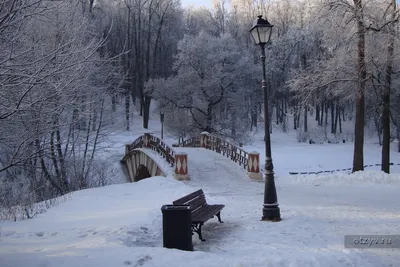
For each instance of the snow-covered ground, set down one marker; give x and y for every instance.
(121, 224)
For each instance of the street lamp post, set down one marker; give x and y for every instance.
(162, 124)
(261, 33)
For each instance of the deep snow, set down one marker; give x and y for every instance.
(121, 224)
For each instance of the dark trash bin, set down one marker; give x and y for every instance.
(177, 227)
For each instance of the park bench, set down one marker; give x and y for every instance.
(200, 210)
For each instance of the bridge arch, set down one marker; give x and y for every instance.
(146, 150)
(139, 165)
(149, 156)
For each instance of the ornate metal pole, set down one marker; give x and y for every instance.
(271, 211)
(162, 125)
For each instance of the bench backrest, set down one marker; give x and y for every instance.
(195, 200)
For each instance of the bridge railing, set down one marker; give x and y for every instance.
(192, 142)
(156, 144)
(138, 143)
(228, 149)
(220, 146)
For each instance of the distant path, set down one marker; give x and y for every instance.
(216, 173)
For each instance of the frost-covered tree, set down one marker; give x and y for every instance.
(145, 33)
(53, 91)
(211, 82)
(352, 67)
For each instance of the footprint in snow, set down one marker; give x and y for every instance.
(40, 234)
(142, 260)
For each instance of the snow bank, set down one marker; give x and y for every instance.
(121, 224)
(108, 206)
(160, 257)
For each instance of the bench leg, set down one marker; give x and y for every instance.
(219, 216)
(197, 228)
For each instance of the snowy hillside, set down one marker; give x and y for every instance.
(121, 224)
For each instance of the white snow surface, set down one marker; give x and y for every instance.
(121, 224)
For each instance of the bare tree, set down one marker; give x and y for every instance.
(52, 111)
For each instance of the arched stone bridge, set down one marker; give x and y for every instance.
(150, 156)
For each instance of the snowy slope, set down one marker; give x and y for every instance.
(120, 225)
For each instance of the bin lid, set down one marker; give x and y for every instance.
(175, 207)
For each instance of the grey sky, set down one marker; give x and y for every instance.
(208, 3)
(197, 3)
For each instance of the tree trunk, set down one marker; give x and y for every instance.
(53, 155)
(96, 139)
(82, 178)
(209, 118)
(298, 118)
(378, 125)
(277, 112)
(114, 102)
(254, 112)
(358, 156)
(45, 171)
(386, 97)
(344, 117)
(94, 123)
(254, 118)
(127, 110)
(282, 110)
(332, 105)
(286, 104)
(305, 119)
(340, 122)
(337, 115)
(398, 138)
(317, 113)
(233, 124)
(326, 113)
(61, 159)
(146, 112)
(322, 114)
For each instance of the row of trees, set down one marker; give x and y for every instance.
(145, 32)
(356, 69)
(54, 91)
(328, 57)
(68, 67)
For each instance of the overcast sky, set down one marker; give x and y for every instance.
(208, 3)
(197, 3)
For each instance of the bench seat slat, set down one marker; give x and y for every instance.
(208, 209)
(183, 200)
(206, 213)
(196, 202)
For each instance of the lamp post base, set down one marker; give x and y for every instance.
(271, 213)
